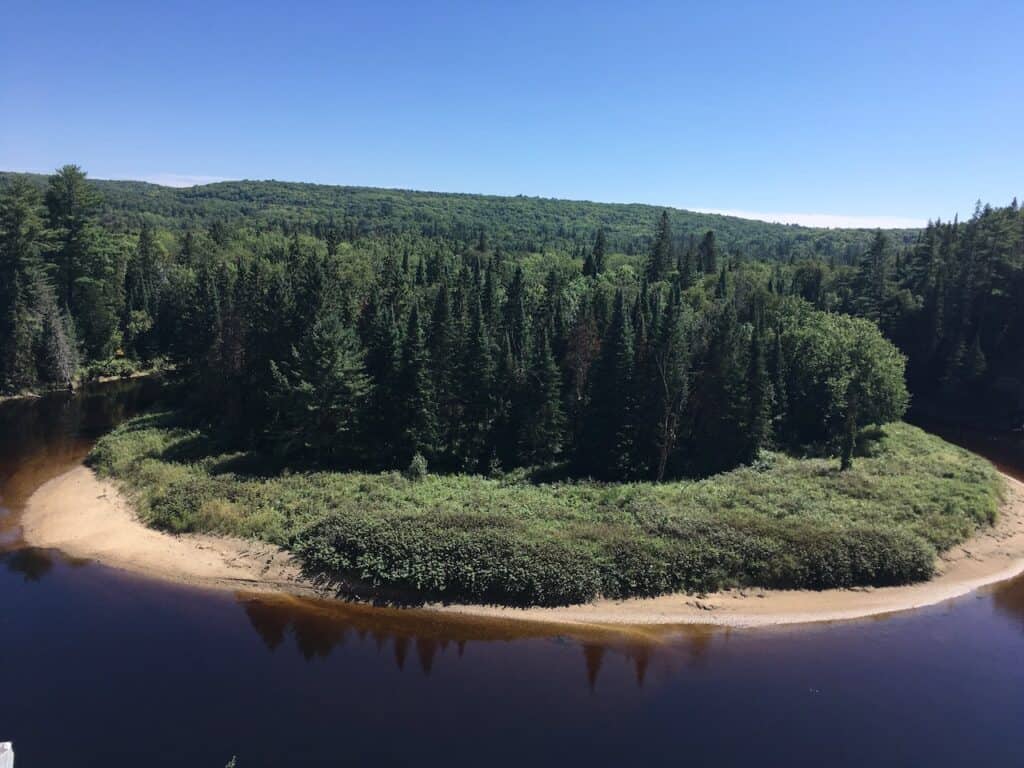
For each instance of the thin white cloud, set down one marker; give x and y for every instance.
(180, 179)
(825, 219)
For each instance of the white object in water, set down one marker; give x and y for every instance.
(6, 754)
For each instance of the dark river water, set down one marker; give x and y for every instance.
(101, 669)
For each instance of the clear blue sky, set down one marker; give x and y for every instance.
(908, 110)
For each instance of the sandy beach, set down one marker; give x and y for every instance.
(86, 517)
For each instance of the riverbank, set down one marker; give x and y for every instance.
(87, 517)
(82, 381)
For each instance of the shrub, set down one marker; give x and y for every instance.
(786, 523)
(417, 468)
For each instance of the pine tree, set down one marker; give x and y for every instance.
(685, 266)
(589, 270)
(141, 289)
(477, 393)
(70, 202)
(778, 374)
(974, 362)
(598, 253)
(515, 318)
(661, 253)
(382, 365)
(88, 265)
(606, 448)
(757, 427)
(543, 429)
(870, 284)
(709, 253)
(671, 378)
(415, 394)
(34, 347)
(722, 287)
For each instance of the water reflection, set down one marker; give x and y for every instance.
(415, 639)
(32, 564)
(40, 438)
(1008, 599)
(288, 681)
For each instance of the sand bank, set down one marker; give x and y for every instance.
(85, 517)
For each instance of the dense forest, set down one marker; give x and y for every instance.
(514, 224)
(376, 329)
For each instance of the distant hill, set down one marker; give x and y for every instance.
(517, 223)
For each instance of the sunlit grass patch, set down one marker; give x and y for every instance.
(789, 523)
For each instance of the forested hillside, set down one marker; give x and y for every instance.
(512, 223)
(432, 333)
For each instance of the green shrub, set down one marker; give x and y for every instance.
(417, 468)
(788, 523)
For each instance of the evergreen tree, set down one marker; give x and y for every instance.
(872, 278)
(415, 394)
(543, 428)
(382, 365)
(477, 393)
(606, 449)
(685, 266)
(71, 202)
(141, 306)
(670, 380)
(20, 265)
(319, 394)
(757, 427)
(88, 267)
(709, 253)
(661, 253)
(515, 318)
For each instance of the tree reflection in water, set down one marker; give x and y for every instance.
(319, 626)
(1009, 600)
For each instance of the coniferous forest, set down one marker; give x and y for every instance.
(368, 345)
(424, 409)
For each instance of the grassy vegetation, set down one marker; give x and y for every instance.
(788, 522)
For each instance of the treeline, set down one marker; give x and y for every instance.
(684, 359)
(61, 283)
(681, 362)
(463, 360)
(953, 302)
(515, 224)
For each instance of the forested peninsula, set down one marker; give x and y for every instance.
(525, 401)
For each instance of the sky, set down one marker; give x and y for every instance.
(868, 113)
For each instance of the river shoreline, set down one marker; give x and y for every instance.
(83, 516)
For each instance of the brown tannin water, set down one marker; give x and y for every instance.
(102, 669)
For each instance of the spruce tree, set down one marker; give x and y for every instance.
(709, 253)
(606, 448)
(515, 318)
(598, 253)
(543, 428)
(382, 364)
(661, 253)
(415, 394)
(477, 393)
(757, 427)
(70, 202)
(670, 362)
(319, 395)
(22, 279)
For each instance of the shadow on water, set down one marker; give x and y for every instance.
(1008, 599)
(415, 638)
(108, 669)
(40, 438)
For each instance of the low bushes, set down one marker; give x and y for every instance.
(790, 523)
